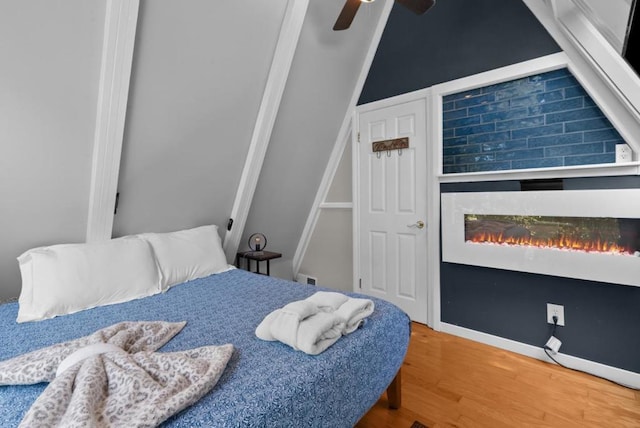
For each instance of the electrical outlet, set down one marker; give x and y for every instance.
(306, 279)
(558, 311)
(623, 153)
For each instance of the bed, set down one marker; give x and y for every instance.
(265, 384)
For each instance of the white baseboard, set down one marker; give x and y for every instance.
(615, 374)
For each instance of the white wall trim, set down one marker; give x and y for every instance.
(596, 49)
(599, 170)
(434, 135)
(503, 74)
(622, 376)
(121, 19)
(355, 212)
(601, 70)
(344, 135)
(274, 89)
(608, 32)
(336, 205)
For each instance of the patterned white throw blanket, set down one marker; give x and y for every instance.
(127, 386)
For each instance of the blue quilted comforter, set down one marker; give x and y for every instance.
(265, 384)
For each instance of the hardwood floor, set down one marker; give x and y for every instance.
(448, 381)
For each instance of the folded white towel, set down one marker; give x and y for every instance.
(317, 333)
(302, 326)
(263, 331)
(300, 309)
(314, 324)
(284, 322)
(327, 301)
(353, 312)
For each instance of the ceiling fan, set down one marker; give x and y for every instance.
(351, 7)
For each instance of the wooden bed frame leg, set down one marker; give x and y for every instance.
(394, 393)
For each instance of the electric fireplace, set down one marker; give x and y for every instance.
(585, 234)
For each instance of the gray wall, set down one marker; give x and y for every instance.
(324, 72)
(329, 255)
(50, 63)
(199, 72)
(341, 185)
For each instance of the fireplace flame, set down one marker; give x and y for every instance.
(562, 242)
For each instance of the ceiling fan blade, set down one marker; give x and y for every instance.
(417, 6)
(346, 16)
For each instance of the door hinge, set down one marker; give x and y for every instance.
(360, 283)
(230, 224)
(358, 136)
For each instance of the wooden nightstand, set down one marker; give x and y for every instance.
(258, 256)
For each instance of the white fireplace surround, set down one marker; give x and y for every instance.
(610, 268)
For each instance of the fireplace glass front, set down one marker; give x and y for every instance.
(588, 234)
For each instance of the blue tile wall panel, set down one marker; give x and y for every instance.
(541, 121)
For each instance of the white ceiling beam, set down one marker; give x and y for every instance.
(121, 19)
(274, 88)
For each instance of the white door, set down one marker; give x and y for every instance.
(392, 207)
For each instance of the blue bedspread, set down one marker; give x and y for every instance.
(266, 384)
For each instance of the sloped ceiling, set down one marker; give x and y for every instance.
(198, 77)
(199, 72)
(321, 83)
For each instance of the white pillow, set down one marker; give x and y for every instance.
(68, 278)
(187, 254)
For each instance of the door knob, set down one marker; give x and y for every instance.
(419, 224)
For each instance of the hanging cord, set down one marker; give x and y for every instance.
(546, 351)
